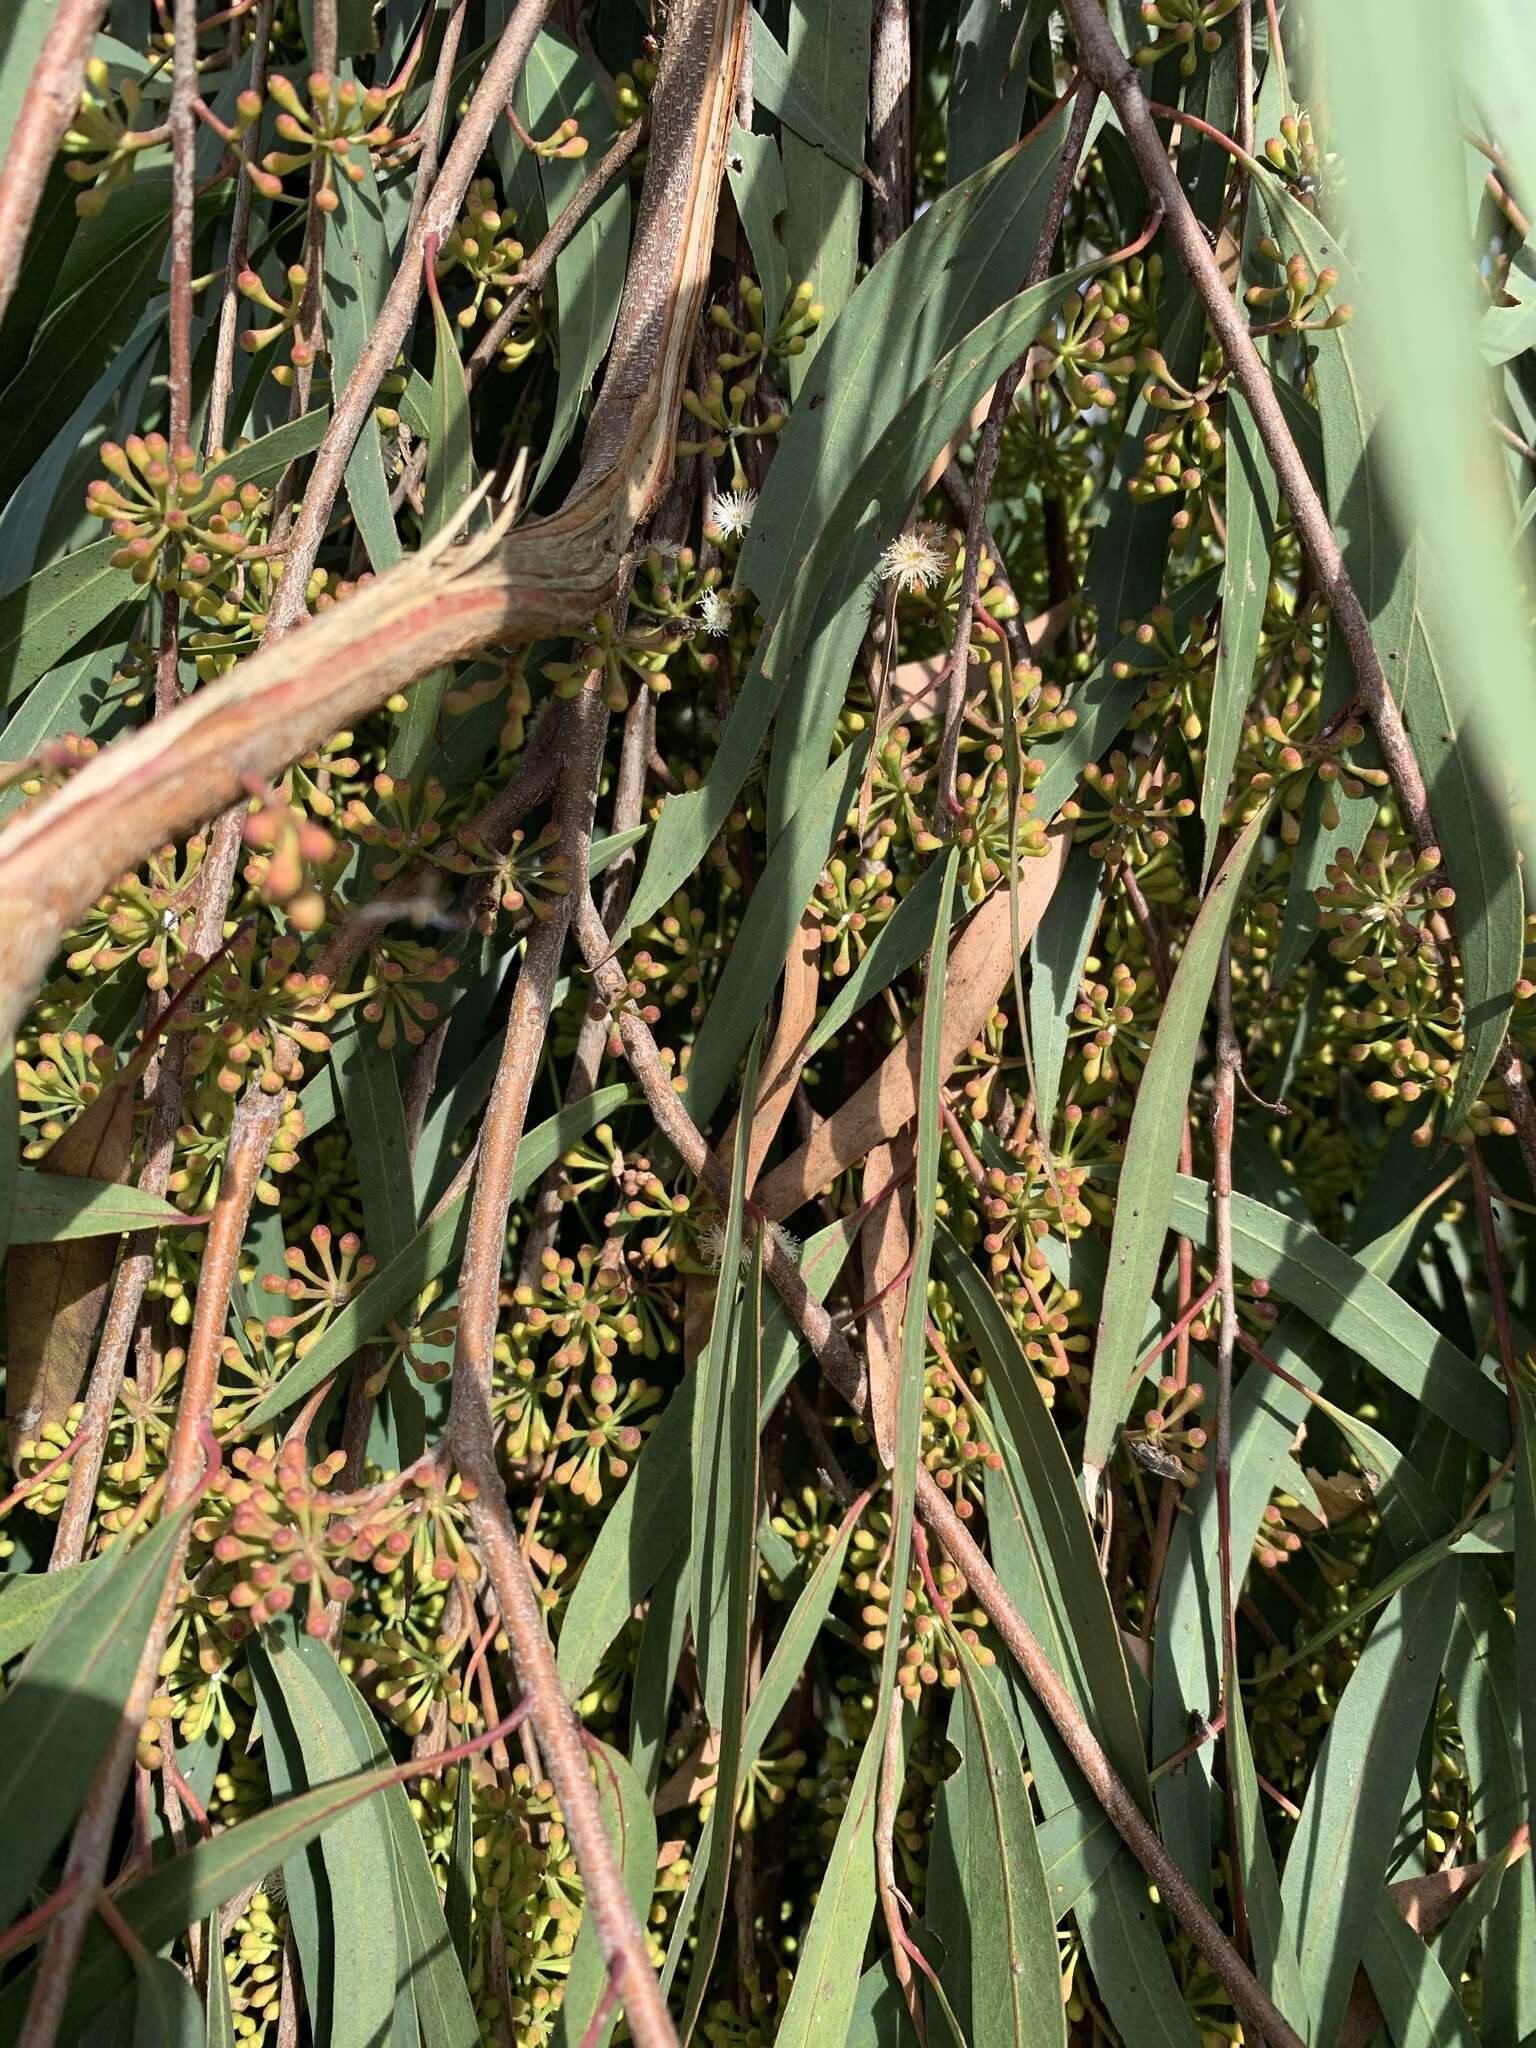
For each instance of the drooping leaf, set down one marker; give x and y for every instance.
(822, 84)
(757, 185)
(1060, 947)
(64, 1705)
(51, 1209)
(631, 1827)
(1015, 1971)
(832, 1953)
(1147, 1181)
(29, 1602)
(1252, 496)
(987, 89)
(557, 85)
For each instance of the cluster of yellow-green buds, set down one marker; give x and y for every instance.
(165, 497)
(1300, 304)
(482, 246)
(1177, 25)
(721, 411)
(336, 118)
(800, 318)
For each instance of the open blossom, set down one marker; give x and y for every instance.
(914, 560)
(731, 513)
(715, 612)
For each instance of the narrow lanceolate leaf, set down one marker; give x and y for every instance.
(1349, 1300)
(1043, 1544)
(880, 400)
(1340, 1851)
(757, 186)
(449, 480)
(728, 1487)
(646, 1528)
(632, 1829)
(370, 1099)
(987, 87)
(51, 1209)
(767, 932)
(65, 1704)
(820, 86)
(832, 1954)
(347, 1932)
(723, 1478)
(557, 85)
(1015, 1970)
(219, 2030)
(166, 2010)
(459, 1899)
(1525, 1568)
(1417, 1998)
(1061, 946)
(1252, 495)
(29, 1601)
(189, 1887)
(777, 88)
(358, 270)
(901, 1451)
(54, 610)
(1151, 1159)
(785, 1667)
(1274, 1950)
(434, 1247)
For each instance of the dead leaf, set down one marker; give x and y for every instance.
(887, 1248)
(784, 1060)
(55, 1292)
(979, 967)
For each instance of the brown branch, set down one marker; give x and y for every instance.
(547, 578)
(890, 122)
(50, 103)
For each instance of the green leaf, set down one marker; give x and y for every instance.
(55, 609)
(757, 186)
(1043, 1544)
(822, 82)
(767, 932)
(646, 1527)
(905, 1427)
(21, 40)
(1355, 1307)
(1339, 1853)
(29, 1601)
(64, 1706)
(1015, 1970)
(832, 1953)
(1417, 1999)
(556, 85)
(369, 1085)
(220, 2029)
(777, 87)
(1146, 1188)
(986, 89)
(450, 478)
(1274, 1950)
(1392, 79)
(358, 269)
(632, 1829)
(104, 283)
(897, 945)
(723, 1489)
(346, 1934)
(433, 1248)
(188, 1888)
(1252, 496)
(166, 2011)
(1060, 947)
(51, 1208)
